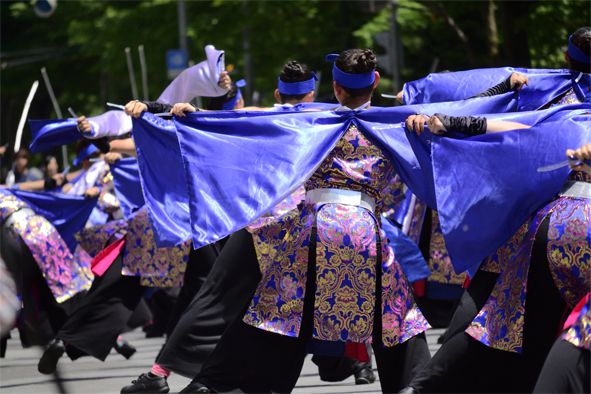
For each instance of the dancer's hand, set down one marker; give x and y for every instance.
(416, 123)
(436, 126)
(518, 80)
(582, 154)
(112, 157)
(92, 192)
(180, 109)
(135, 108)
(400, 97)
(225, 81)
(84, 125)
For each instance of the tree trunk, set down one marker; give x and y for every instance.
(514, 25)
(439, 9)
(492, 31)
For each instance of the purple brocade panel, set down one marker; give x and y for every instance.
(569, 97)
(579, 334)
(500, 322)
(416, 224)
(9, 204)
(157, 267)
(346, 257)
(66, 273)
(569, 248)
(442, 270)
(96, 238)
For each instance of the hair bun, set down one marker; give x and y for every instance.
(367, 58)
(294, 71)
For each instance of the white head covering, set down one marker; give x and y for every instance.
(198, 80)
(110, 124)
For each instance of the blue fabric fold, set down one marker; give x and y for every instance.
(67, 213)
(126, 178)
(406, 252)
(51, 133)
(162, 178)
(488, 186)
(239, 165)
(544, 85)
(386, 126)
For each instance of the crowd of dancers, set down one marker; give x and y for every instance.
(310, 228)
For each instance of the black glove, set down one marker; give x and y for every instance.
(470, 125)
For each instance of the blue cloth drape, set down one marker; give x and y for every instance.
(50, 133)
(67, 213)
(544, 85)
(126, 178)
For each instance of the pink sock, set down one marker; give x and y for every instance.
(160, 371)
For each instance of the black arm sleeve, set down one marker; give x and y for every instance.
(155, 107)
(470, 125)
(49, 183)
(501, 88)
(102, 144)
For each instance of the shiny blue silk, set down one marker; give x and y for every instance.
(406, 252)
(50, 133)
(487, 186)
(544, 85)
(240, 164)
(162, 179)
(386, 127)
(67, 213)
(126, 178)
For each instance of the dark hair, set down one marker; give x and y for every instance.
(357, 61)
(293, 71)
(581, 38)
(22, 153)
(217, 103)
(48, 160)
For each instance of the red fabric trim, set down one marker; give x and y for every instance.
(356, 351)
(102, 261)
(466, 282)
(419, 287)
(574, 315)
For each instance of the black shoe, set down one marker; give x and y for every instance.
(196, 387)
(147, 383)
(124, 349)
(51, 356)
(364, 376)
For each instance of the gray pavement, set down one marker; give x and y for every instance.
(18, 371)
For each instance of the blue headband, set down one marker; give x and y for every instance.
(84, 154)
(575, 53)
(348, 80)
(295, 88)
(230, 104)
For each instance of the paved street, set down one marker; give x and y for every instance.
(18, 371)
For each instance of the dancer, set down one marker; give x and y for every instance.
(251, 358)
(234, 277)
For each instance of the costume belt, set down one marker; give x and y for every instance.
(20, 215)
(341, 196)
(577, 189)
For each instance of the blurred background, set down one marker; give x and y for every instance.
(82, 44)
